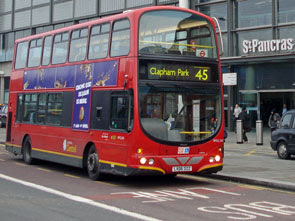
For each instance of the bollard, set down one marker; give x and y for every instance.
(239, 127)
(259, 132)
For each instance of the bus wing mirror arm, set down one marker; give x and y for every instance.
(220, 35)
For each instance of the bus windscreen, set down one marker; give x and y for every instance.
(176, 33)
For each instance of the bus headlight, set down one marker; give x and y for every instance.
(211, 159)
(143, 160)
(151, 161)
(217, 158)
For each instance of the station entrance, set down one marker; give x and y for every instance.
(260, 103)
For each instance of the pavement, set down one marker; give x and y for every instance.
(249, 163)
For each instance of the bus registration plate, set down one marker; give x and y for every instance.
(182, 169)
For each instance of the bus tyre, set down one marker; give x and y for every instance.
(93, 164)
(282, 151)
(27, 149)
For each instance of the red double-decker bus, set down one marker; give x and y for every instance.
(134, 93)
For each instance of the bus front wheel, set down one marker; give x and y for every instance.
(27, 150)
(93, 164)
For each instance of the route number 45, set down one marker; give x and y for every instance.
(202, 75)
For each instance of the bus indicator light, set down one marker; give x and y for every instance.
(139, 151)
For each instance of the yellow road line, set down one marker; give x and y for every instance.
(109, 184)
(45, 170)
(250, 153)
(253, 187)
(2, 160)
(192, 177)
(266, 189)
(72, 176)
(21, 164)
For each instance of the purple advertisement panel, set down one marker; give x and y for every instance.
(46, 78)
(81, 114)
(65, 77)
(105, 73)
(82, 78)
(31, 79)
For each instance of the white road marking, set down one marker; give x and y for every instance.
(80, 199)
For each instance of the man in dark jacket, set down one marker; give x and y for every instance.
(246, 123)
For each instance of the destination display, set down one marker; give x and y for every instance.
(178, 72)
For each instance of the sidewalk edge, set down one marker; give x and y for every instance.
(248, 180)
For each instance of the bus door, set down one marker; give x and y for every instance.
(112, 112)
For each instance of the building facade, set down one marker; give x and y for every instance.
(258, 37)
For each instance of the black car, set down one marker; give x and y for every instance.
(283, 138)
(3, 115)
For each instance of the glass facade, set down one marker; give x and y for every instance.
(253, 13)
(219, 11)
(241, 37)
(286, 11)
(259, 47)
(265, 76)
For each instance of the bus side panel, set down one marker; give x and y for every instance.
(16, 81)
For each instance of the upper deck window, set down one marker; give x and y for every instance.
(35, 52)
(176, 33)
(60, 48)
(21, 55)
(47, 50)
(78, 45)
(99, 41)
(121, 38)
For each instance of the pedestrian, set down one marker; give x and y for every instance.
(246, 123)
(284, 109)
(273, 120)
(237, 111)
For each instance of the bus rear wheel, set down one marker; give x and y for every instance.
(27, 151)
(93, 164)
